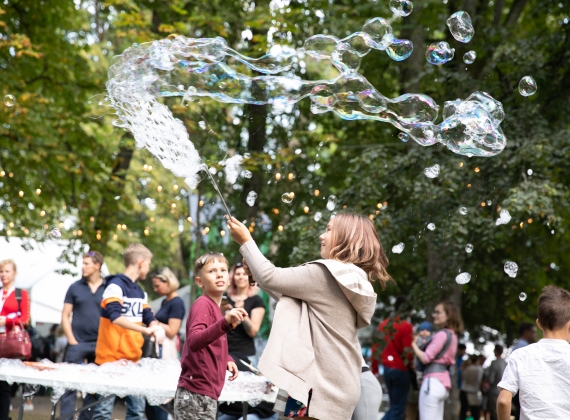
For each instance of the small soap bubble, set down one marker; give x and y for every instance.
(401, 7)
(9, 100)
(489, 202)
(331, 203)
(522, 297)
(397, 249)
(431, 226)
(504, 218)
(390, 358)
(439, 53)
(529, 172)
(318, 216)
(54, 233)
(202, 125)
(461, 27)
(432, 171)
(469, 57)
(463, 278)
(247, 174)
(287, 197)
(404, 137)
(463, 211)
(251, 197)
(511, 268)
(469, 248)
(527, 86)
(400, 49)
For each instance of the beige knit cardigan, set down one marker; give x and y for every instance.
(313, 342)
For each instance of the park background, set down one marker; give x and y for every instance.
(65, 167)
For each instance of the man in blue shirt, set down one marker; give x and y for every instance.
(83, 300)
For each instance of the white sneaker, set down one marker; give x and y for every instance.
(28, 407)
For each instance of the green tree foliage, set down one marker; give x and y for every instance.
(362, 163)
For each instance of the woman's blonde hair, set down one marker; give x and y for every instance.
(354, 240)
(6, 262)
(166, 275)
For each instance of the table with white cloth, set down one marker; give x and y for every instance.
(154, 379)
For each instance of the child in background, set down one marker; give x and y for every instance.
(205, 355)
(539, 371)
(425, 331)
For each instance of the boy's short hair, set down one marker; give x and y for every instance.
(553, 308)
(524, 327)
(499, 349)
(136, 252)
(207, 258)
(95, 256)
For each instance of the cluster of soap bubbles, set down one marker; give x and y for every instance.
(191, 68)
(439, 53)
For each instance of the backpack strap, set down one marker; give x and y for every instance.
(445, 346)
(18, 298)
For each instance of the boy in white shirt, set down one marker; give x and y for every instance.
(540, 372)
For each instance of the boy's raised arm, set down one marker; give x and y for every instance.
(504, 404)
(200, 334)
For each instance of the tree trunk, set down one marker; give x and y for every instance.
(256, 142)
(109, 207)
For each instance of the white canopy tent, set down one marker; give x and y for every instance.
(39, 273)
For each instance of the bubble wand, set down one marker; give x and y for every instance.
(205, 167)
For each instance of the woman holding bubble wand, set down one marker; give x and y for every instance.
(321, 305)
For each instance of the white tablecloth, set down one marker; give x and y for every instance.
(154, 379)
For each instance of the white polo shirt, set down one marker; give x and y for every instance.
(540, 372)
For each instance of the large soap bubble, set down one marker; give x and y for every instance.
(527, 86)
(439, 53)
(461, 27)
(193, 68)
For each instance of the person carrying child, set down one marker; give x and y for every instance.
(321, 304)
(539, 371)
(205, 356)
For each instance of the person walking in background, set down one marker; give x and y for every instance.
(80, 324)
(494, 374)
(242, 295)
(527, 335)
(470, 395)
(461, 350)
(124, 310)
(438, 356)
(14, 310)
(60, 345)
(169, 316)
(539, 372)
(171, 312)
(397, 358)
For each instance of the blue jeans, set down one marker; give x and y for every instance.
(78, 354)
(135, 409)
(249, 417)
(398, 384)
